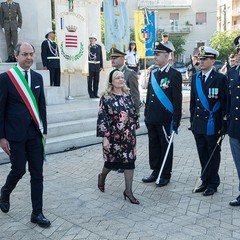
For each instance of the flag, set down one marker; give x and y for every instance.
(72, 35)
(144, 34)
(117, 32)
(146, 16)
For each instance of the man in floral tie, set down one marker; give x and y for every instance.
(164, 88)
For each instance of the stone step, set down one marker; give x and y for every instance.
(76, 140)
(72, 141)
(71, 127)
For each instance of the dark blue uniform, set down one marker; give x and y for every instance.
(50, 59)
(215, 88)
(95, 63)
(158, 119)
(234, 116)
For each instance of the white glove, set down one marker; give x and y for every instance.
(3, 30)
(18, 29)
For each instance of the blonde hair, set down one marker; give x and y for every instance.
(109, 90)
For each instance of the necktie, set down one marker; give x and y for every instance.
(203, 78)
(26, 75)
(159, 73)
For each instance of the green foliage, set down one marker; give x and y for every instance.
(178, 43)
(223, 43)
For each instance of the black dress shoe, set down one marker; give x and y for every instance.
(96, 96)
(152, 178)
(209, 192)
(235, 202)
(163, 182)
(4, 202)
(201, 188)
(120, 170)
(40, 220)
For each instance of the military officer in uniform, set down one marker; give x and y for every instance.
(208, 106)
(95, 64)
(50, 57)
(164, 89)
(130, 76)
(234, 113)
(11, 23)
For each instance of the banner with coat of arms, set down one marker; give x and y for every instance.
(117, 32)
(72, 35)
(144, 23)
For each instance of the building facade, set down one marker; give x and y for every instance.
(194, 20)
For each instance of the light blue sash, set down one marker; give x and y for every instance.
(204, 101)
(161, 95)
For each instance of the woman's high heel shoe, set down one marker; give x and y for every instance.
(100, 187)
(133, 201)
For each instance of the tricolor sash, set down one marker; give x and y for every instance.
(204, 101)
(27, 96)
(161, 95)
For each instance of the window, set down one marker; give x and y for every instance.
(201, 18)
(174, 16)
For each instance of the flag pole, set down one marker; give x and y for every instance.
(69, 88)
(145, 72)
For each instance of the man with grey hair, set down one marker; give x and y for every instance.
(23, 129)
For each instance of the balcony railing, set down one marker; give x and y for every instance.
(161, 4)
(175, 28)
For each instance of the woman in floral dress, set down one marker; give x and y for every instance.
(117, 123)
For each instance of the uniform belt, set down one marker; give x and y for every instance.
(132, 65)
(94, 62)
(53, 58)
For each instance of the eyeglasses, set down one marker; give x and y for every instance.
(165, 35)
(27, 54)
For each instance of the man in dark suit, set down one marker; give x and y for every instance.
(95, 64)
(130, 76)
(159, 120)
(208, 106)
(234, 113)
(11, 23)
(50, 57)
(22, 130)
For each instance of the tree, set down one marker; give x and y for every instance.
(223, 43)
(178, 42)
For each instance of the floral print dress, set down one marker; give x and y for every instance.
(118, 121)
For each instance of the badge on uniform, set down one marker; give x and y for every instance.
(164, 83)
(213, 93)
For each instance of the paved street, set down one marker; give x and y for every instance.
(78, 210)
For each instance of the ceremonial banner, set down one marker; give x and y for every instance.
(144, 33)
(117, 32)
(72, 35)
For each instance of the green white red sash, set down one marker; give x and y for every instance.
(28, 98)
(26, 94)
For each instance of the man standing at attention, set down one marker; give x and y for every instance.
(130, 76)
(163, 111)
(234, 114)
(50, 57)
(23, 129)
(11, 23)
(208, 108)
(95, 64)
(168, 44)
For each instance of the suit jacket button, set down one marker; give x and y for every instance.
(236, 108)
(237, 97)
(236, 119)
